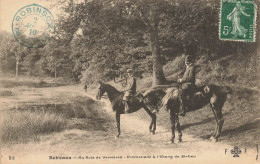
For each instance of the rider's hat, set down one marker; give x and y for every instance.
(188, 59)
(129, 70)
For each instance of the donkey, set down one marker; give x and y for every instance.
(118, 107)
(210, 94)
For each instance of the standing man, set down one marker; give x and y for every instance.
(130, 89)
(188, 84)
(86, 87)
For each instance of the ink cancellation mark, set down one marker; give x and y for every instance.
(237, 20)
(33, 26)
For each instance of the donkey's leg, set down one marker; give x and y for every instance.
(220, 123)
(118, 124)
(219, 114)
(152, 126)
(213, 136)
(172, 118)
(154, 123)
(178, 126)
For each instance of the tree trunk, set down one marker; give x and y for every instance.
(158, 75)
(55, 71)
(6, 60)
(17, 68)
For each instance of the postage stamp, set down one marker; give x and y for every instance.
(33, 25)
(238, 20)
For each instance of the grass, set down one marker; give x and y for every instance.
(6, 93)
(9, 81)
(24, 125)
(27, 123)
(15, 83)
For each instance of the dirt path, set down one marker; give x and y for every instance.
(135, 141)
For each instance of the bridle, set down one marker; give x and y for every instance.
(100, 93)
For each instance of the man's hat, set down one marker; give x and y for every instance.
(129, 70)
(188, 59)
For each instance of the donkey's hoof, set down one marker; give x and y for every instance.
(117, 136)
(152, 132)
(179, 140)
(171, 141)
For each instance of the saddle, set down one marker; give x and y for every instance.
(196, 98)
(193, 99)
(133, 100)
(138, 97)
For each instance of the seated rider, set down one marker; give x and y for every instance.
(188, 84)
(130, 89)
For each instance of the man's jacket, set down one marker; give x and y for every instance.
(131, 87)
(188, 78)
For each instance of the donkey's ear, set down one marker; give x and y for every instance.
(100, 82)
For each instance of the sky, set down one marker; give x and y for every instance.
(8, 9)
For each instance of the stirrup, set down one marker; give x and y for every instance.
(182, 111)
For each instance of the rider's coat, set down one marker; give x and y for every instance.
(188, 79)
(130, 89)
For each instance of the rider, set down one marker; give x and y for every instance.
(130, 89)
(188, 84)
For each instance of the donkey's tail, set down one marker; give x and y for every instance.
(227, 89)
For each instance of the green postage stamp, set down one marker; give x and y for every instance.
(237, 20)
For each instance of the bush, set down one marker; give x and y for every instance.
(174, 66)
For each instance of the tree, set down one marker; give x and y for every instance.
(100, 19)
(19, 52)
(56, 61)
(7, 58)
(150, 12)
(101, 36)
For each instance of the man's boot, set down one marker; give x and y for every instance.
(182, 111)
(126, 107)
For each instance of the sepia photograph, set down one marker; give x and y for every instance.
(129, 81)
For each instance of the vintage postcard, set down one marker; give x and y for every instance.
(129, 81)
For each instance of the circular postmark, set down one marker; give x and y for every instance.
(33, 26)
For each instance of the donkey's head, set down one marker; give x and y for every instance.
(101, 90)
